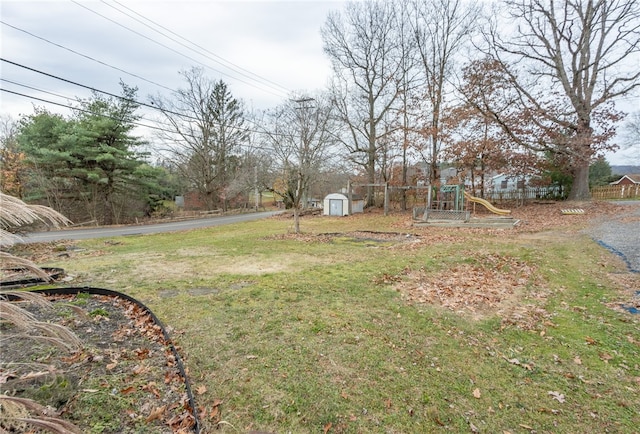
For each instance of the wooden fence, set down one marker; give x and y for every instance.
(616, 192)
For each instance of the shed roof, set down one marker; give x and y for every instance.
(343, 196)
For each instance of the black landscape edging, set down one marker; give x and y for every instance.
(620, 254)
(156, 320)
(630, 309)
(54, 273)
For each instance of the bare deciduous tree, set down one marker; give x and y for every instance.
(300, 133)
(631, 135)
(364, 49)
(440, 28)
(576, 58)
(208, 129)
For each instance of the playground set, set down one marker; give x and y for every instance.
(451, 205)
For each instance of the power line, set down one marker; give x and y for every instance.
(173, 50)
(216, 58)
(78, 109)
(139, 103)
(248, 146)
(33, 88)
(82, 85)
(120, 97)
(61, 96)
(85, 56)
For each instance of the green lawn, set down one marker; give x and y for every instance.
(323, 332)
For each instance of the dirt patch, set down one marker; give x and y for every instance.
(405, 240)
(358, 236)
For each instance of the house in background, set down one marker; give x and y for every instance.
(504, 182)
(633, 179)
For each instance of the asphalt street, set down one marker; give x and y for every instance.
(105, 232)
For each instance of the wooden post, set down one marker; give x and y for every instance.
(256, 193)
(386, 198)
(349, 197)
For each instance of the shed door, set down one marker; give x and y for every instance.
(335, 207)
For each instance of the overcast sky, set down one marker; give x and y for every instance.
(264, 49)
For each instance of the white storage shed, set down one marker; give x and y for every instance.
(338, 204)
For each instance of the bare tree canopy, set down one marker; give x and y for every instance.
(365, 53)
(300, 132)
(207, 125)
(575, 57)
(440, 29)
(631, 135)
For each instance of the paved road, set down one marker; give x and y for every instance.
(104, 232)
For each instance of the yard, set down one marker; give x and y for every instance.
(368, 324)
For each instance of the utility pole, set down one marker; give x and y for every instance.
(299, 193)
(255, 186)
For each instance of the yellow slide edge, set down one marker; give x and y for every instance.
(487, 204)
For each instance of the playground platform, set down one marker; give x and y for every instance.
(472, 222)
(446, 207)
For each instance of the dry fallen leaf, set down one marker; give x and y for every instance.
(201, 390)
(605, 357)
(152, 388)
(577, 360)
(215, 413)
(140, 369)
(557, 396)
(142, 354)
(476, 393)
(156, 413)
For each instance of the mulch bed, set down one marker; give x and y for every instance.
(122, 363)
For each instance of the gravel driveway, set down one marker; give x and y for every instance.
(621, 234)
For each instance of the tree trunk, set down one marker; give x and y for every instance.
(296, 204)
(296, 220)
(580, 187)
(371, 165)
(371, 178)
(434, 173)
(107, 206)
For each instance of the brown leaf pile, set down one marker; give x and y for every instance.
(490, 285)
(548, 216)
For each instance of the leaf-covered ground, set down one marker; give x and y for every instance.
(122, 378)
